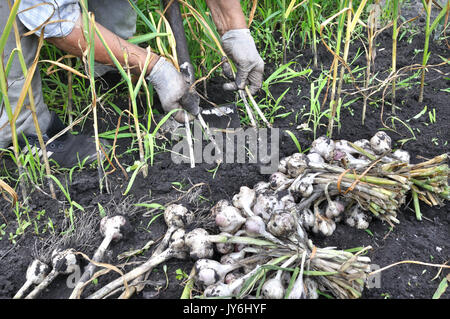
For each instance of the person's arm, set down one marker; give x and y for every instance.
(227, 15)
(75, 44)
(238, 44)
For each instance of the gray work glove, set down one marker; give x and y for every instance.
(173, 90)
(241, 49)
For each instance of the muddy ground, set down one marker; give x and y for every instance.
(425, 241)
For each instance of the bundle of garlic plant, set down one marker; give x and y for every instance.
(340, 180)
(265, 253)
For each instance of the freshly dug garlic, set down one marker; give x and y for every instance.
(279, 181)
(274, 288)
(334, 208)
(224, 248)
(261, 187)
(199, 244)
(315, 158)
(209, 271)
(221, 289)
(303, 185)
(327, 227)
(281, 225)
(380, 143)
(229, 219)
(402, 156)
(255, 227)
(177, 216)
(363, 143)
(178, 245)
(264, 205)
(357, 218)
(219, 206)
(36, 273)
(307, 218)
(297, 164)
(282, 166)
(233, 258)
(323, 146)
(343, 146)
(245, 200)
(288, 202)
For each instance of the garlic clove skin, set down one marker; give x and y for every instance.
(245, 200)
(314, 158)
(381, 143)
(281, 225)
(219, 206)
(218, 290)
(114, 227)
(402, 156)
(272, 289)
(334, 209)
(255, 226)
(264, 205)
(311, 288)
(209, 271)
(323, 146)
(37, 272)
(177, 240)
(65, 261)
(224, 248)
(307, 218)
(297, 164)
(177, 216)
(229, 219)
(279, 180)
(261, 188)
(282, 166)
(232, 258)
(198, 244)
(363, 143)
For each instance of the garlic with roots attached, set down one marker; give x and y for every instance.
(209, 271)
(307, 218)
(229, 219)
(315, 158)
(245, 200)
(176, 249)
(199, 244)
(64, 262)
(282, 165)
(273, 288)
(323, 146)
(36, 273)
(112, 229)
(303, 185)
(380, 143)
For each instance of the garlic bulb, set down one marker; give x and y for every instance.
(264, 205)
(255, 226)
(380, 143)
(323, 146)
(219, 206)
(363, 143)
(199, 244)
(334, 208)
(279, 181)
(297, 164)
(229, 219)
(177, 216)
(224, 248)
(209, 271)
(282, 166)
(245, 200)
(315, 158)
(307, 218)
(326, 227)
(303, 185)
(233, 258)
(36, 273)
(357, 218)
(113, 227)
(273, 289)
(64, 261)
(261, 188)
(402, 156)
(178, 245)
(281, 225)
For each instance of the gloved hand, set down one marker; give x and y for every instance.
(172, 90)
(241, 49)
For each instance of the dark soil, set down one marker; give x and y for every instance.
(425, 241)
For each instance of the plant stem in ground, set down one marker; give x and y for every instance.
(395, 12)
(425, 49)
